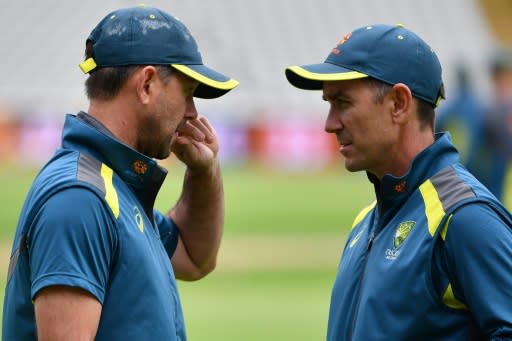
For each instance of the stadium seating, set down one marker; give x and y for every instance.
(253, 41)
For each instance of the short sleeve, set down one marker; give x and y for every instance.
(72, 242)
(479, 259)
(168, 232)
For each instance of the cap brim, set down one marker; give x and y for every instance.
(212, 84)
(311, 77)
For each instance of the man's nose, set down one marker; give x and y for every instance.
(332, 122)
(191, 111)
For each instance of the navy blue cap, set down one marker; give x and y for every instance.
(149, 36)
(391, 54)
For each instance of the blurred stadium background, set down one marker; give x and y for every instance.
(289, 201)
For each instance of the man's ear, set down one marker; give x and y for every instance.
(146, 81)
(401, 97)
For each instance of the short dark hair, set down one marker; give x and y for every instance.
(104, 83)
(380, 89)
(425, 112)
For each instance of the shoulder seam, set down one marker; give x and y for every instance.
(89, 171)
(363, 213)
(92, 171)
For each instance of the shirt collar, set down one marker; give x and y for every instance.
(86, 134)
(392, 191)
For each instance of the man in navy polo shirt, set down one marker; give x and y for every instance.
(92, 258)
(430, 258)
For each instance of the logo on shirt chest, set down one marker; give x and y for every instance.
(402, 232)
(138, 218)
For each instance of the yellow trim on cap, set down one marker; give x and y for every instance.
(438, 100)
(340, 76)
(227, 85)
(87, 65)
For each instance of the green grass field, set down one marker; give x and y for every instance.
(283, 236)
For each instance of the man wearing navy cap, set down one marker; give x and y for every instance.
(92, 258)
(430, 258)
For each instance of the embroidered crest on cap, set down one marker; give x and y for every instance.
(346, 37)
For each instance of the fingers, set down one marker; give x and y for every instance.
(197, 129)
(206, 123)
